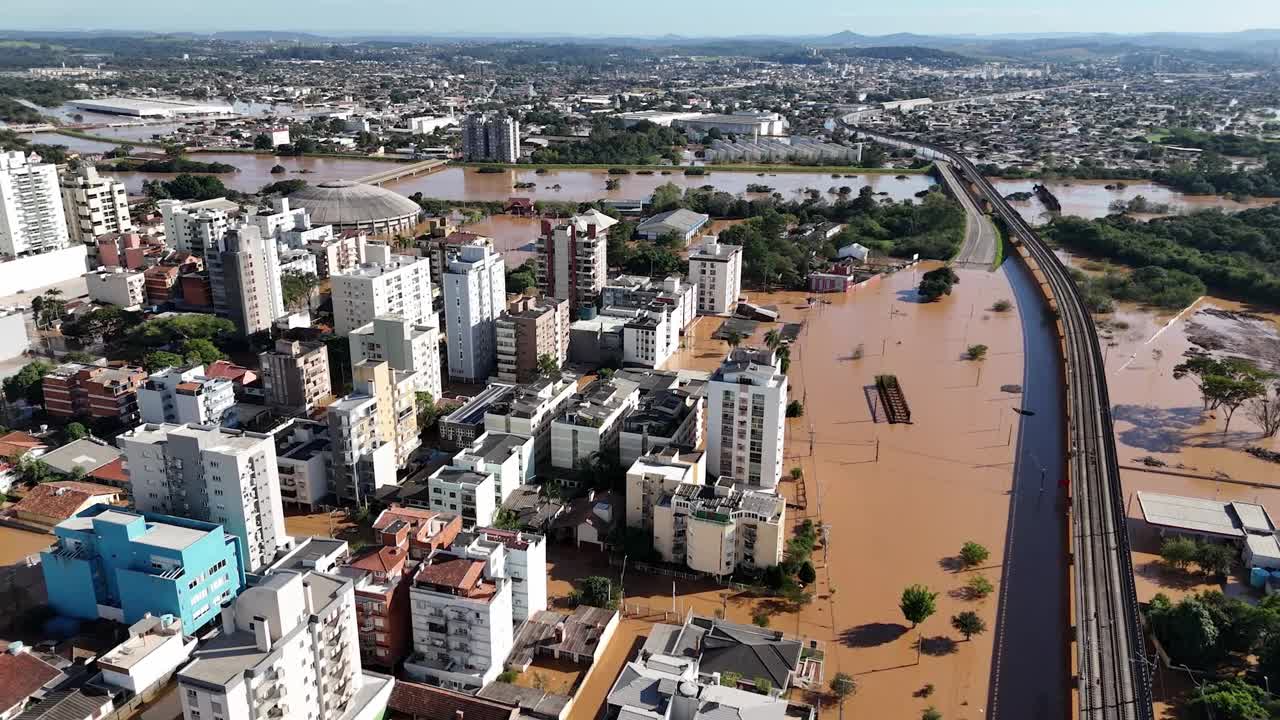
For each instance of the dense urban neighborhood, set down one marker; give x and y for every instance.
(452, 378)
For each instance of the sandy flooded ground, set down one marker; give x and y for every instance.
(900, 500)
(1161, 418)
(15, 544)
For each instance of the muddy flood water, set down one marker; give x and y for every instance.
(1091, 198)
(899, 499)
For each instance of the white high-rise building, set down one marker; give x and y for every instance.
(287, 648)
(520, 556)
(747, 418)
(385, 285)
(213, 474)
(177, 395)
(31, 215)
(94, 205)
(193, 227)
(462, 623)
(475, 294)
(717, 271)
(406, 347)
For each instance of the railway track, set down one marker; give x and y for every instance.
(1112, 677)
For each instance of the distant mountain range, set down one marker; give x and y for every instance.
(1259, 41)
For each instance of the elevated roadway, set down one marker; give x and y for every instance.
(1110, 675)
(402, 170)
(980, 236)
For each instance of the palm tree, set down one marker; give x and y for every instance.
(784, 359)
(773, 339)
(734, 339)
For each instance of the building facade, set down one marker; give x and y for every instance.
(287, 648)
(591, 422)
(532, 328)
(251, 279)
(374, 430)
(186, 395)
(572, 261)
(295, 376)
(120, 565)
(31, 216)
(717, 271)
(399, 286)
(747, 418)
(122, 288)
(718, 528)
(519, 556)
(491, 138)
(462, 623)
(213, 474)
(475, 292)
(406, 347)
(94, 205)
(72, 389)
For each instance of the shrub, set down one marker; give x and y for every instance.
(930, 713)
(807, 574)
(976, 352)
(1002, 306)
(972, 554)
(508, 676)
(795, 408)
(979, 586)
(761, 618)
(1179, 552)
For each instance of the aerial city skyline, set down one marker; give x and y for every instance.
(670, 362)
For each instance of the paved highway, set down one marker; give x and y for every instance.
(1112, 680)
(980, 236)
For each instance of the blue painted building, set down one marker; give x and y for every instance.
(120, 565)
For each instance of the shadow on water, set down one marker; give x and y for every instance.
(872, 634)
(1156, 429)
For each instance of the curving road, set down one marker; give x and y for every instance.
(980, 236)
(1112, 679)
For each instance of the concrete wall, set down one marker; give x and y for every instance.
(36, 271)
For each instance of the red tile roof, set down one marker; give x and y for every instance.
(20, 676)
(57, 503)
(16, 444)
(383, 560)
(453, 573)
(112, 472)
(423, 702)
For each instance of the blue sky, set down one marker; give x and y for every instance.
(650, 17)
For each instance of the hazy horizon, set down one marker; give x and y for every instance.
(710, 19)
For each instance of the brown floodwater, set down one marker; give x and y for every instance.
(512, 236)
(938, 482)
(1091, 198)
(459, 183)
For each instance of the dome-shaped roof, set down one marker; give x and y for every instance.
(342, 202)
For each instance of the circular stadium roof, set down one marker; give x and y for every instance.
(342, 202)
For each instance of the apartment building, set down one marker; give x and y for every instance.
(116, 286)
(31, 216)
(186, 395)
(407, 347)
(475, 292)
(428, 530)
(509, 458)
(532, 328)
(444, 244)
(718, 528)
(337, 254)
(518, 556)
(130, 251)
(159, 283)
(295, 376)
(121, 565)
(374, 430)
(572, 260)
(716, 270)
(212, 474)
(382, 577)
(73, 389)
(665, 416)
(669, 300)
(466, 490)
(491, 137)
(94, 205)
(462, 623)
(385, 285)
(198, 228)
(251, 279)
(527, 410)
(287, 648)
(747, 418)
(303, 458)
(656, 473)
(591, 421)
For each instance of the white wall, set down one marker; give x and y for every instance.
(36, 271)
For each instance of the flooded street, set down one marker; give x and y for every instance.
(1091, 198)
(513, 236)
(901, 499)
